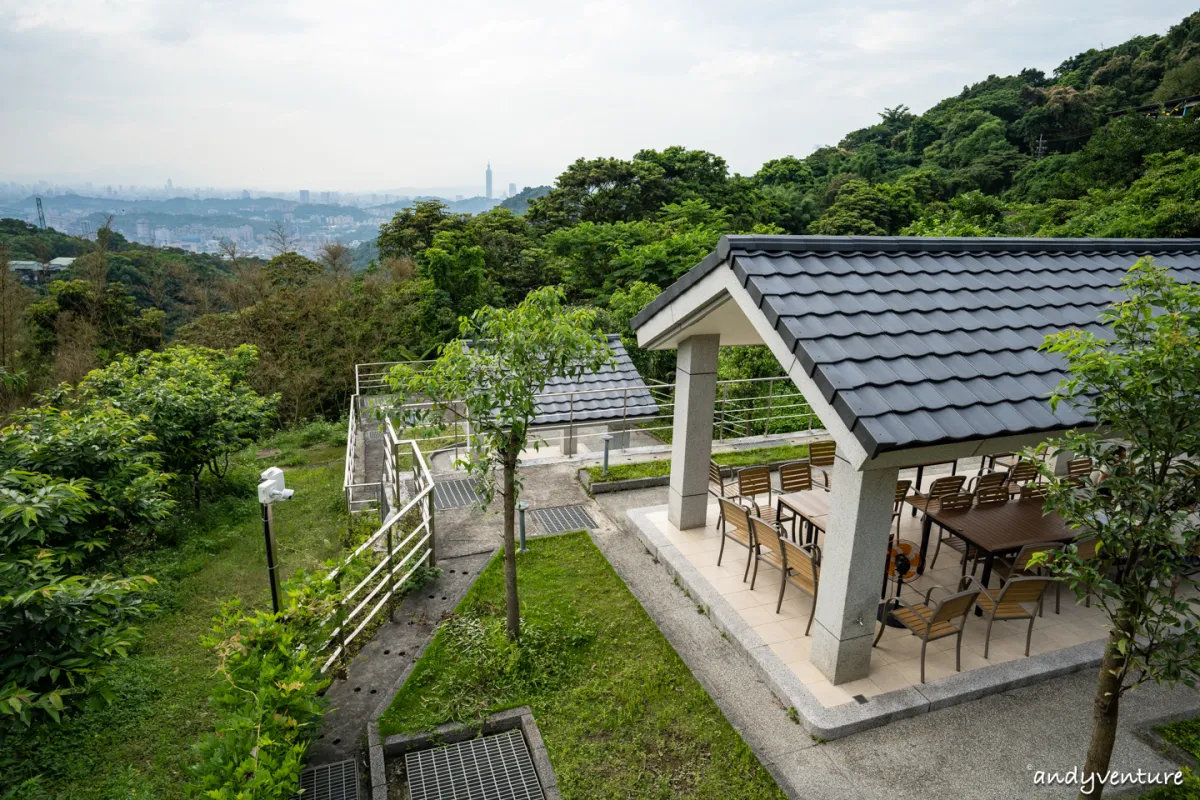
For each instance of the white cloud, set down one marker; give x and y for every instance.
(361, 94)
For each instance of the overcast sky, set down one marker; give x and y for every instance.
(355, 95)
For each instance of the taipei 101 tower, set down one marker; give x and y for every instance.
(488, 194)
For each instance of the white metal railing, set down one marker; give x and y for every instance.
(355, 502)
(743, 408)
(402, 544)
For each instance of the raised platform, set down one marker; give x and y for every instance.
(775, 644)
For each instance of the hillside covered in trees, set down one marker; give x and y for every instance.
(1023, 155)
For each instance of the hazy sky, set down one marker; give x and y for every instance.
(356, 95)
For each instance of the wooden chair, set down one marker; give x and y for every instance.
(933, 623)
(753, 483)
(821, 455)
(1011, 603)
(1033, 491)
(1079, 470)
(942, 487)
(802, 570)
(766, 547)
(795, 476)
(1019, 566)
(955, 502)
(716, 481)
(902, 489)
(986, 482)
(735, 525)
(992, 494)
(1020, 474)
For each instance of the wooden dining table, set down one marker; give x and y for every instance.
(811, 506)
(995, 528)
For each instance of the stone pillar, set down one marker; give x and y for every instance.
(1060, 461)
(691, 443)
(852, 563)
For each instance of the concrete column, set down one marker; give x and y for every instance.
(568, 440)
(852, 563)
(691, 443)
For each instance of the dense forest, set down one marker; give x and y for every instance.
(1023, 155)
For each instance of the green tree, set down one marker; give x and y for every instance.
(491, 376)
(412, 229)
(291, 270)
(198, 404)
(602, 190)
(1141, 385)
(1180, 81)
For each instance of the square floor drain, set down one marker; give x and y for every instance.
(488, 768)
(561, 519)
(338, 781)
(455, 494)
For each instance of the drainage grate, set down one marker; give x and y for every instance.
(561, 519)
(488, 768)
(329, 782)
(455, 494)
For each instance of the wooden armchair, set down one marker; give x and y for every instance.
(955, 502)
(821, 456)
(1018, 598)
(933, 623)
(754, 483)
(795, 476)
(735, 526)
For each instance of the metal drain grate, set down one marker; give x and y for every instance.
(329, 782)
(455, 494)
(561, 519)
(488, 768)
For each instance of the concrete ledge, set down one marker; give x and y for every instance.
(630, 484)
(453, 732)
(842, 720)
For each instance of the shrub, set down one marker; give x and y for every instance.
(268, 696)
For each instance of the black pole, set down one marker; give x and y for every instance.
(272, 576)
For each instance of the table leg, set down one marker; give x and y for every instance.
(987, 576)
(920, 474)
(954, 467)
(925, 526)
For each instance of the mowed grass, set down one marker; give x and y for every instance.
(624, 719)
(737, 458)
(140, 745)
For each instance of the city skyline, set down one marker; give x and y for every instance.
(157, 89)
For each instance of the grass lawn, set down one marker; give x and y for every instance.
(621, 715)
(1184, 734)
(737, 458)
(140, 745)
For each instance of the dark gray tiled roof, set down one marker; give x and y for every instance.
(918, 341)
(613, 393)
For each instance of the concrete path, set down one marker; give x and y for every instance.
(987, 749)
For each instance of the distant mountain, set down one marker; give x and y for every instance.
(519, 202)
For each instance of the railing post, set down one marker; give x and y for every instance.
(724, 402)
(627, 441)
(431, 510)
(396, 472)
(339, 665)
(390, 576)
(770, 394)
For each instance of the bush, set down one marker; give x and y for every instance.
(268, 697)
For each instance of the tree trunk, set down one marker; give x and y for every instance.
(1104, 717)
(510, 550)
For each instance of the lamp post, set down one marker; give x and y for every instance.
(270, 489)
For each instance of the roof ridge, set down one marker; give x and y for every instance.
(948, 245)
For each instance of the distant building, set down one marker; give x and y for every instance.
(31, 272)
(304, 195)
(488, 191)
(143, 231)
(512, 190)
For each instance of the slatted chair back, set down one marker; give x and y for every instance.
(902, 488)
(737, 521)
(804, 563)
(1079, 470)
(1087, 547)
(717, 476)
(1022, 472)
(954, 606)
(957, 502)
(795, 477)
(989, 481)
(753, 481)
(767, 537)
(820, 454)
(1033, 491)
(1021, 562)
(991, 495)
(946, 486)
(1024, 590)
